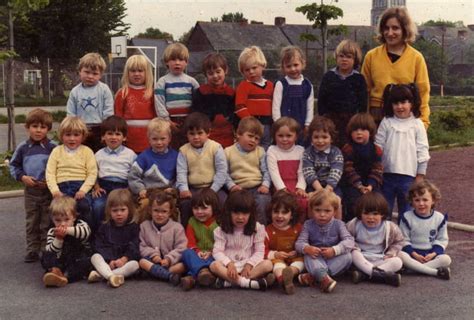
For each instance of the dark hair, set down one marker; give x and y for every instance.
(214, 60)
(419, 188)
(114, 123)
(395, 93)
(206, 197)
(371, 202)
(364, 121)
(161, 197)
(321, 123)
(291, 123)
(286, 201)
(239, 201)
(40, 116)
(197, 121)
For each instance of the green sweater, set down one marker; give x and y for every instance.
(204, 235)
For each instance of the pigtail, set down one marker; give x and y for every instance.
(416, 103)
(387, 108)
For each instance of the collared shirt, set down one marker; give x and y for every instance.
(115, 163)
(343, 76)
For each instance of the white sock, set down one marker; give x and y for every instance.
(417, 266)
(127, 269)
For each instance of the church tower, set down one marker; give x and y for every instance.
(379, 6)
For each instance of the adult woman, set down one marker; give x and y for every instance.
(396, 61)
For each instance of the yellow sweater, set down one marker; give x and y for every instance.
(379, 71)
(75, 166)
(244, 169)
(201, 166)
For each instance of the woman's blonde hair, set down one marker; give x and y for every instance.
(409, 28)
(251, 55)
(121, 197)
(72, 124)
(138, 62)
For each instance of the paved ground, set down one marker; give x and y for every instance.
(22, 295)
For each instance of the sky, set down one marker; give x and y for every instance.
(178, 16)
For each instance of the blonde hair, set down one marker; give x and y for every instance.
(175, 51)
(251, 55)
(72, 124)
(290, 53)
(121, 197)
(349, 47)
(158, 125)
(61, 206)
(323, 195)
(93, 61)
(409, 28)
(138, 62)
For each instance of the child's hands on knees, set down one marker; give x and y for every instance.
(312, 251)
(232, 271)
(98, 191)
(204, 255)
(430, 256)
(263, 189)
(79, 195)
(156, 260)
(246, 271)
(418, 257)
(165, 262)
(235, 188)
(57, 194)
(185, 194)
(328, 252)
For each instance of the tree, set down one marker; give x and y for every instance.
(319, 15)
(185, 36)
(155, 33)
(435, 60)
(230, 17)
(443, 23)
(63, 31)
(10, 9)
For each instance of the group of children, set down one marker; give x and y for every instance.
(206, 213)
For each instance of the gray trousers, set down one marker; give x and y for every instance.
(37, 218)
(319, 267)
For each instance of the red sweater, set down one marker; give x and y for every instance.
(135, 107)
(253, 100)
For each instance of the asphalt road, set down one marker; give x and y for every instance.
(22, 295)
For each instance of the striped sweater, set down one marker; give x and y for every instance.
(77, 238)
(173, 95)
(325, 166)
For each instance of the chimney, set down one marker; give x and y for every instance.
(280, 21)
(471, 27)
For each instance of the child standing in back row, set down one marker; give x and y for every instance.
(173, 91)
(91, 100)
(343, 91)
(404, 142)
(28, 165)
(134, 101)
(293, 95)
(253, 96)
(216, 99)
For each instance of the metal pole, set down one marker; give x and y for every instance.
(49, 82)
(4, 85)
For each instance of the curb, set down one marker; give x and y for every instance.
(452, 225)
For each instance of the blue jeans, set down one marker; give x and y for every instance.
(83, 206)
(193, 263)
(98, 204)
(319, 267)
(396, 186)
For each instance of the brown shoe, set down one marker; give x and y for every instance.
(187, 283)
(327, 284)
(306, 279)
(287, 276)
(205, 278)
(54, 278)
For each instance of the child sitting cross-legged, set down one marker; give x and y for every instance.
(201, 163)
(67, 253)
(116, 242)
(378, 242)
(247, 165)
(281, 237)
(239, 246)
(200, 233)
(324, 241)
(162, 240)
